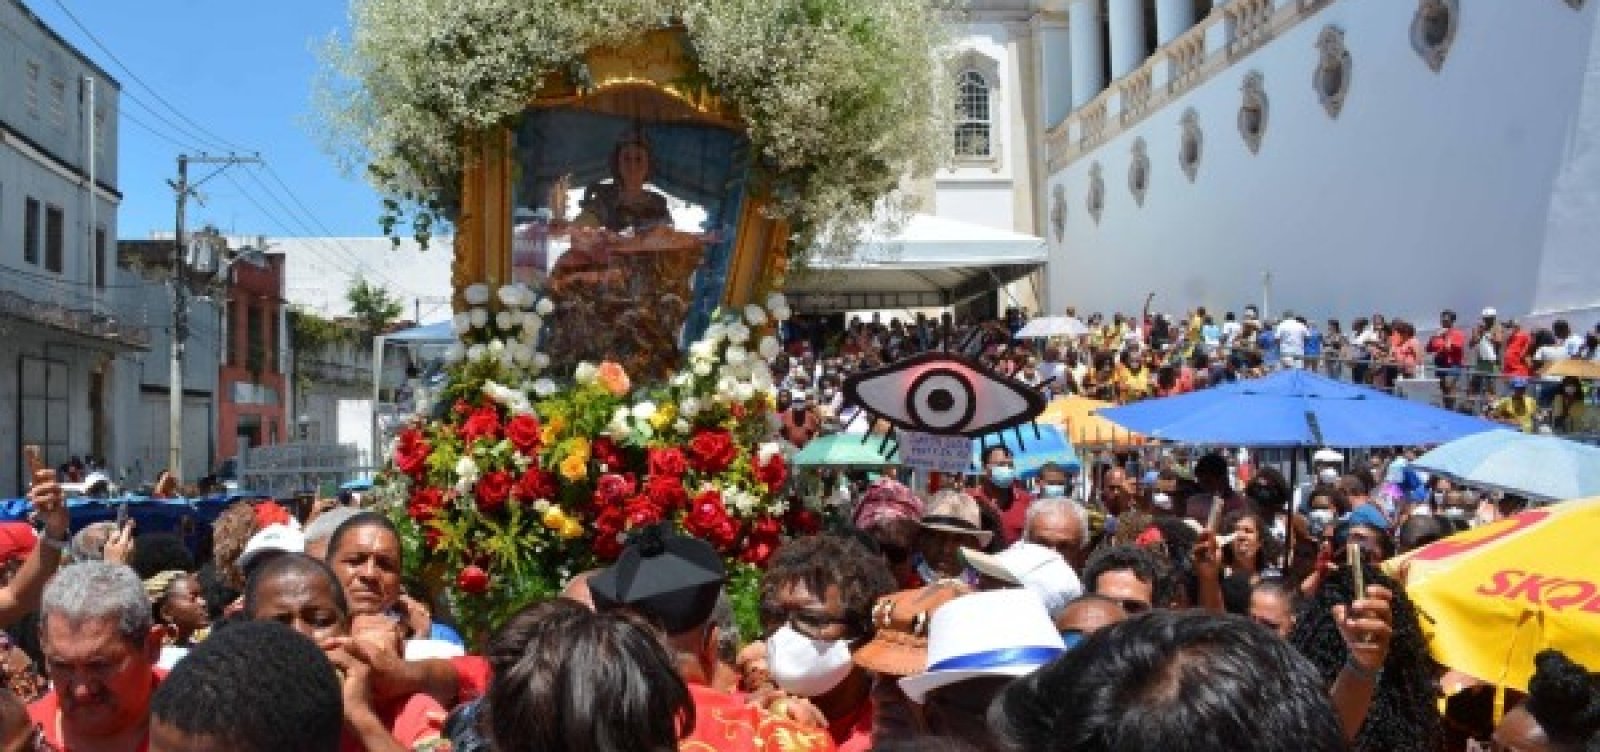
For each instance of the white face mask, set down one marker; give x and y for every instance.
(1322, 516)
(807, 667)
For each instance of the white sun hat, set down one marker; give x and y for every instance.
(275, 537)
(997, 633)
(1037, 568)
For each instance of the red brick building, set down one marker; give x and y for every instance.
(252, 387)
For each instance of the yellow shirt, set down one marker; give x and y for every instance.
(1514, 411)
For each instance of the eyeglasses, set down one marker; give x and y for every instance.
(1132, 606)
(807, 623)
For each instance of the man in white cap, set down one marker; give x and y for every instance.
(1326, 467)
(977, 645)
(1487, 340)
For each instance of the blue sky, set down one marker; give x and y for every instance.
(242, 72)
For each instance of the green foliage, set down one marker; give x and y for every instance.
(373, 306)
(310, 333)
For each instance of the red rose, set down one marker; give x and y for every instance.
(525, 434)
(642, 512)
(758, 551)
(772, 472)
(462, 407)
(493, 490)
(669, 461)
(766, 527)
(803, 521)
(484, 423)
(711, 451)
(613, 489)
(708, 520)
(666, 492)
(425, 504)
(473, 580)
(536, 484)
(608, 534)
(608, 454)
(411, 453)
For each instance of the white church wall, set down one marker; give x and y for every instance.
(1429, 190)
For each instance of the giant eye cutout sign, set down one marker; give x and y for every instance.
(945, 395)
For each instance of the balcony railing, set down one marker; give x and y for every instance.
(1229, 33)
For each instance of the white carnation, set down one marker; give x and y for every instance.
(738, 333)
(504, 320)
(476, 352)
(681, 425)
(736, 355)
(689, 407)
(585, 373)
(510, 295)
(477, 294)
(544, 387)
(545, 307)
(644, 411)
(702, 350)
(769, 347)
(541, 361)
(702, 368)
(479, 317)
(715, 333)
(744, 391)
(782, 313)
(454, 353)
(754, 315)
(777, 300)
(467, 469)
(532, 321)
(460, 323)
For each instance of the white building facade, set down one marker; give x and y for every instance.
(1334, 157)
(65, 380)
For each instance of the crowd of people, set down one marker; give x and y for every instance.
(1174, 611)
(1495, 367)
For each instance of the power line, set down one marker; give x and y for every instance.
(158, 134)
(325, 239)
(135, 78)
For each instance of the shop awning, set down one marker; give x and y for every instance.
(932, 262)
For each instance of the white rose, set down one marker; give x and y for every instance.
(736, 355)
(761, 378)
(682, 380)
(460, 323)
(681, 425)
(544, 387)
(476, 352)
(644, 411)
(466, 469)
(744, 391)
(508, 359)
(620, 417)
(521, 353)
(690, 406)
(777, 300)
(738, 334)
(754, 315)
(585, 373)
(532, 322)
(545, 307)
(702, 368)
(504, 321)
(454, 353)
(541, 506)
(479, 318)
(477, 294)
(525, 296)
(702, 350)
(540, 360)
(497, 346)
(509, 295)
(767, 451)
(782, 313)
(715, 333)
(769, 347)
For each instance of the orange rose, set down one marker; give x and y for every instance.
(613, 379)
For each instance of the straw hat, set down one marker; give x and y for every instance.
(956, 512)
(900, 647)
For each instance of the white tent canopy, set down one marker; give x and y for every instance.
(931, 262)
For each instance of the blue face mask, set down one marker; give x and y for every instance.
(1053, 491)
(1002, 476)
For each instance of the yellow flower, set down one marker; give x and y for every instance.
(573, 529)
(555, 519)
(664, 416)
(575, 467)
(552, 430)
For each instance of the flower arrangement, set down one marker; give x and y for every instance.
(508, 491)
(842, 98)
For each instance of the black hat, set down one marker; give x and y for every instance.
(667, 577)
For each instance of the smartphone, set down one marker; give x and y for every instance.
(1214, 519)
(35, 461)
(1357, 573)
(122, 515)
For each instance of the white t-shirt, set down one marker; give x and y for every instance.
(1230, 332)
(1573, 345)
(1550, 354)
(1292, 338)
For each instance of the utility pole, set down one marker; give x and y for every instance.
(180, 299)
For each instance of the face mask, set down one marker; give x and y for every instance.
(807, 667)
(1053, 491)
(1322, 516)
(1002, 476)
(1456, 513)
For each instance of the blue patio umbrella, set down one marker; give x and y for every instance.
(1030, 452)
(1543, 468)
(1294, 408)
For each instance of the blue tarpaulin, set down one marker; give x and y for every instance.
(149, 515)
(1294, 408)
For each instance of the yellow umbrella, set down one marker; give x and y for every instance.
(1587, 370)
(1076, 416)
(1494, 596)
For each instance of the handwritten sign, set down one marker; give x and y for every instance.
(945, 454)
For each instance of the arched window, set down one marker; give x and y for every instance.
(974, 127)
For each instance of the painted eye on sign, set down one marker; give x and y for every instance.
(946, 395)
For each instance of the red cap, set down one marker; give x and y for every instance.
(17, 540)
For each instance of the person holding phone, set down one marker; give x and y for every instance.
(21, 596)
